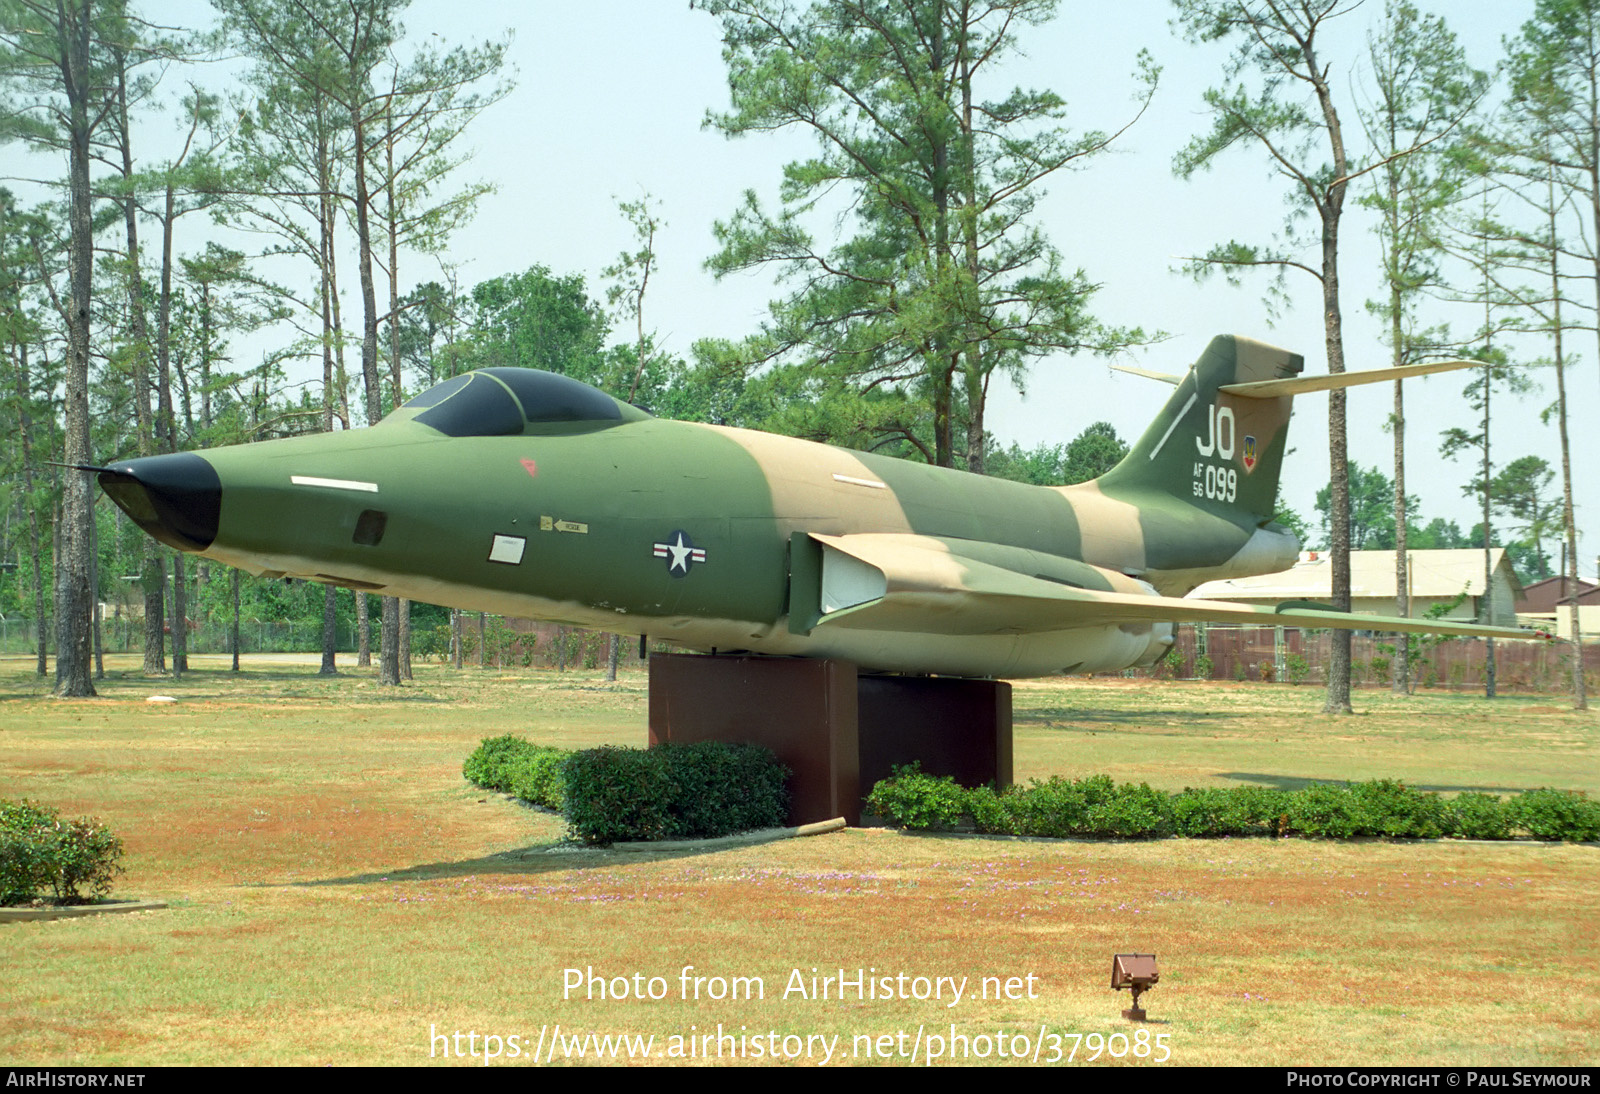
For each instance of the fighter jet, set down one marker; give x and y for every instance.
(527, 493)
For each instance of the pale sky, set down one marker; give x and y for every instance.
(608, 105)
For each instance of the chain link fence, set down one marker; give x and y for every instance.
(18, 636)
(1291, 656)
(1282, 655)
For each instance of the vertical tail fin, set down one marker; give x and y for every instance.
(1217, 451)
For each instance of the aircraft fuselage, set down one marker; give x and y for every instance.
(528, 494)
(677, 530)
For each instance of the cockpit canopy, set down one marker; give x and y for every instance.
(499, 402)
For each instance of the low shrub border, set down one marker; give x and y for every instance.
(521, 768)
(673, 791)
(71, 861)
(1098, 807)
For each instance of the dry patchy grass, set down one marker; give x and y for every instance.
(339, 892)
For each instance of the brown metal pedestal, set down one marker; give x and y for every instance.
(837, 731)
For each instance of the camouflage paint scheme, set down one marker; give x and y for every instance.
(581, 509)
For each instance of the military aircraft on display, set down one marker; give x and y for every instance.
(527, 493)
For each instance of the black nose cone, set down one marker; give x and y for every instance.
(176, 498)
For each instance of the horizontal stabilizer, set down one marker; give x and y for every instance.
(1164, 377)
(922, 584)
(1301, 385)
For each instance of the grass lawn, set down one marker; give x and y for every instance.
(340, 895)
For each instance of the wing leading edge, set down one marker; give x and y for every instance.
(927, 584)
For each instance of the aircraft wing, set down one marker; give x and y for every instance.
(889, 581)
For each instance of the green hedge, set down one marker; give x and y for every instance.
(673, 791)
(670, 792)
(512, 765)
(1555, 814)
(1230, 811)
(1096, 806)
(72, 861)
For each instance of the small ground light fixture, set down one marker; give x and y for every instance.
(1138, 972)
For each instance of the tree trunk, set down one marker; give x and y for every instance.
(341, 377)
(403, 610)
(1569, 571)
(330, 631)
(1592, 170)
(946, 358)
(974, 352)
(41, 618)
(363, 632)
(395, 385)
(1338, 699)
(1330, 206)
(153, 583)
(1580, 698)
(389, 631)
(35, 540)
(389, 643)
(1402, 579)
(330, 602)
(235, 636)
(976, 397)
(943, 415)
(166, 426)
(1488, 537)
(74, 596)
(180, 615)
